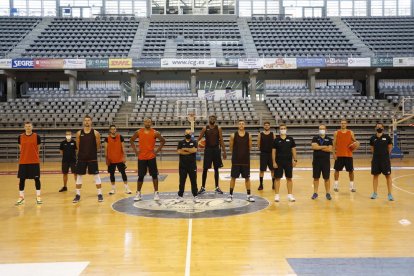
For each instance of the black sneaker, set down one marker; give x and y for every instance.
(260, 187)
(218, 190)
(63, 189)
(76, 199)
(202, 191)
(314, 196)
(328, 196)
(100, 198)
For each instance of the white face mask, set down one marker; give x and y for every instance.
(322, 132)
(68, 137)
(283, 131)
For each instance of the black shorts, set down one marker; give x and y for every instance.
(120, 166)
(341, 162)
(266, 161)
(321, 167)
(212, 155)
(29, 171)
(237, 170)
(284, 167)
(145, 165)
(68, 165)
(380, 165)
(92, 167)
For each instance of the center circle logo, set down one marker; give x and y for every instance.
(211, 205)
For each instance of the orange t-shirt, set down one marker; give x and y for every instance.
(115, 153)
(146, 144)
(29, 152)
(343, 140)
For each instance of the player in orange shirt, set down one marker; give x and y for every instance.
(343, 145)
(29, 161)
(147, 155)
(115, 158)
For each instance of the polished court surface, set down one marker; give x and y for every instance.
(307, 237)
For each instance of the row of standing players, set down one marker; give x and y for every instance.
(277, 152)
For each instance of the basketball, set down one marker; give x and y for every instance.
(202, 144)
(353, 146)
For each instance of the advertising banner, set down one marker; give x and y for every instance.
(22, 63)
(120, 63)
(5, 63)
(403, 62)
(249, 63)
(310, 62)
(97, 63)
(382, 62)
(336, 62)
(279, 63)
(146, 63)
(359, 62)
(43, 63)
(227, 62)
(188, 63)
(74, 64)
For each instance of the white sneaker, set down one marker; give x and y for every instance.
(352, 188)
(138, 197)
(277, 197)
(336, 187)
(250, 198)
(291, 198)
(128, 191)
(112, 192)
(229, 198)
(177, 200)
(196, 200)
(156, 196)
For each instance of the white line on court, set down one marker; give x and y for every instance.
(398, 188)
(188, 256)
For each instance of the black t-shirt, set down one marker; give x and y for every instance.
(190, 159)
(120, 136)
(320, 154)
(69, 151)
(380, 145)
(284, 148)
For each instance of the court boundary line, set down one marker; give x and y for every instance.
(398, 188)
(188, 254)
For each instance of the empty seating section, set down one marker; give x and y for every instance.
(79, 37)
(58, 112)
(394, 90)
(385, 35)
(307, 37)
(169, 89)
(328, 110)
(13, 30)
(228, 111)
(50, 93)
(193, 38)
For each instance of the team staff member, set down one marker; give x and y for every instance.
(68, 151)
(344, 139)
(187, 150)
(321, 164)
(240, 146)
(115, 158)
(265, 144)
(147, 156)
(214, 141)
(29, 161)
(381, 146)
(89, 143)
(284, 159)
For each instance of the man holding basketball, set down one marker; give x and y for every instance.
(344, 144)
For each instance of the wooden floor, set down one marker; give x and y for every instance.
(351, 225)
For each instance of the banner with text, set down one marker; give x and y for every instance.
(249, 63)
(23, 63)
(310, 62)
(336, 62)
(146, 63)
(43, 63)
(359, 62)
(279, 63)
(5, 63)
(403, 62)
(227, 62)
(97, 63)
(188, 63)
(74, 64)
(120, 63)
(381, 62)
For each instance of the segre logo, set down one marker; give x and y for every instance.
(22, 63)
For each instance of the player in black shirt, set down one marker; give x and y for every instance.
(284, 159)
(187, 149)
(321, 163)
(68, 151)
(381, 146)
(265, 144)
